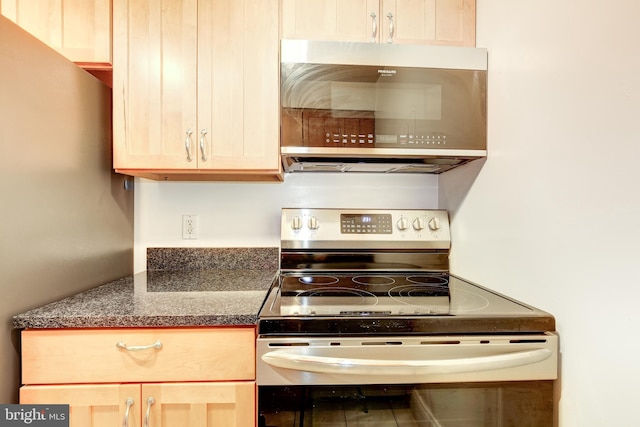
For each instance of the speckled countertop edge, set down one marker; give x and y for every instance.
(226, 291)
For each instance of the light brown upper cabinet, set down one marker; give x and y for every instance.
(195, 89)
(434, 22)
(78, 29)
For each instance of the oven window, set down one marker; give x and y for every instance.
(495, 404)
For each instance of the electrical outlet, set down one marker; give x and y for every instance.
(189, 226)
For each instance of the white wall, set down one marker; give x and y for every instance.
(248, 214)
(553, 216)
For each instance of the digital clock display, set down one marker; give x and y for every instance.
(365, 224)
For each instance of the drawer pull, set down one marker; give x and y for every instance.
(122, 346)
(125, 422)
(150, 401)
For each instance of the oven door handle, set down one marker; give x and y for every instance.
(342, 365)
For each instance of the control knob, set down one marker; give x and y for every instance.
(403, 223)
(434, 224)
(314, 224)
(296, 223)
(418, 224)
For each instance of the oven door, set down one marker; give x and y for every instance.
(490, 404)
(471, 381)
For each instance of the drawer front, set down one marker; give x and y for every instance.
(55, 356)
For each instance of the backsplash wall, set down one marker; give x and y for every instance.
(248, 214)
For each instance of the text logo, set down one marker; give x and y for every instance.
(34, 415)
(385, 72)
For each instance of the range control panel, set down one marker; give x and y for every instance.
(365, 228)
(366, 223)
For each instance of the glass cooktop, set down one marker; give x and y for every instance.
(384, 303)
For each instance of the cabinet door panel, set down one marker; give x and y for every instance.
(238, 73)
(439, 22)
(413, 21)
(344, 20)
(308, 19)
(456, 22)
(261, 145)
(220, 89)
(154, 83)
(201, 404)
(93, 405)
(78, 29)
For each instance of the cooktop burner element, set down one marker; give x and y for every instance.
(378, 272)
(316, 280)
(350, 294)
(373, 280)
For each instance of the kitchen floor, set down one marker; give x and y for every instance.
(354, 410)
(350, 415)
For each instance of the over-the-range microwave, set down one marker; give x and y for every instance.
(367, 107)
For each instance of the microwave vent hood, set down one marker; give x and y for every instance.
(424, 162)
(406, 55)
(380, 108)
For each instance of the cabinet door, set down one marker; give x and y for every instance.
(154, 84)
(200, 404)
(78, 29)
(90, 405)
(342, 20)
(433, 22)
(439, 22)
(238, 85)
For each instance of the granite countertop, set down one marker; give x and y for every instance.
(202, 296)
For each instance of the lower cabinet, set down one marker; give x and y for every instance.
(197, 377)
(133, 405)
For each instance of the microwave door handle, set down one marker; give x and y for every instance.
(343, 365)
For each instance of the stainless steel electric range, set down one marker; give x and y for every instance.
(365, 312)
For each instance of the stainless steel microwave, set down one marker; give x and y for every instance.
(366, 107)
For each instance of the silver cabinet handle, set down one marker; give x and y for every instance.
(125, 421)
(187, 145)
(150, 401)
(122, 346)
(374, 27)
(391, 27)
(203, 154)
